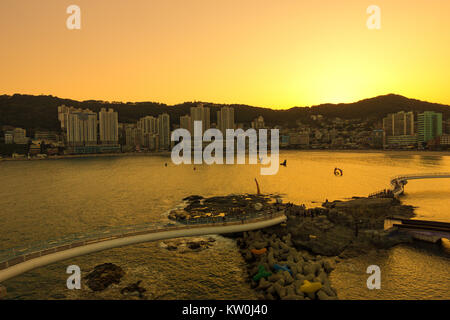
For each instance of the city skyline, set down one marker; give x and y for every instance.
(84, 131)
(271, 55)
(243, 151)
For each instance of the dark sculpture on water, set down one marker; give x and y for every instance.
(338, 172)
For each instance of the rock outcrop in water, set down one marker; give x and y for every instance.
(293, 260)
(184, 245)
(345, 227)
(103, 276)
(134, 288)
(232, 206)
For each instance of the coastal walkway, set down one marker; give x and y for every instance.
(16, 261)
(398, 183)
(431, 231)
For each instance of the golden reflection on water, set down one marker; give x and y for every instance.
(49, 199)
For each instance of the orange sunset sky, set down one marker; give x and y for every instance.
(269, 53)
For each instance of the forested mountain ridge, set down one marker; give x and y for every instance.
(40, 112)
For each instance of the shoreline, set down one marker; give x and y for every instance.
(394, 152)
(168, 153)
(94, 155)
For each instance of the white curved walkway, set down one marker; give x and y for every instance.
(406, 177)
(398, 182)
(24, 263)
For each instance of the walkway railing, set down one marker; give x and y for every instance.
(420, 176)
(397, 188)
(20, 254)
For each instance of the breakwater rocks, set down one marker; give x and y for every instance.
(223, 208)
(338, 228)
(108, 275)
(279, 271)
(103, 276)
(123, 280)
(134, 288)
(184, 245)
(293, 260)
(346, 228)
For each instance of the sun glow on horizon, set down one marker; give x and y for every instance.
(259, 52)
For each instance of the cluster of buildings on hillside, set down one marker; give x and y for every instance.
(336, 133)
(404, 130)
(84, 131)
(153, 133)
(18, 144)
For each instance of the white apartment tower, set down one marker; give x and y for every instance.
(63, 114)
(225, 119)
(109, 127)
(148, 128)
(147, 124)
(398, 124)
(186, 123)
(164, 131)
(81, 127)
(132, 136)
(201, 113)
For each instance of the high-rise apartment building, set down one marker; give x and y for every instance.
(225, 119)
(398, 124)
(399, 129)
(133, 136)
(152, 141)
(148, 128)
(63, 114)
(81, 127)
(147, 124)
(164, 131)
(186, 123)
(429, 126)
(109, 127)
(201, 113)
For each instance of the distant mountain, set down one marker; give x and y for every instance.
(40, 112)
(378, 107)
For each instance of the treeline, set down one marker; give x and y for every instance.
(40, 112)
(379, 107)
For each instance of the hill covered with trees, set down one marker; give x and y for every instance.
(40, 112)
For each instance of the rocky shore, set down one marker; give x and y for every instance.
(282, 271)
(120, 280)
(103, 276)
(184, 245)
(298, 256)
(290, 261)
(224, 207)
(294, 260)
